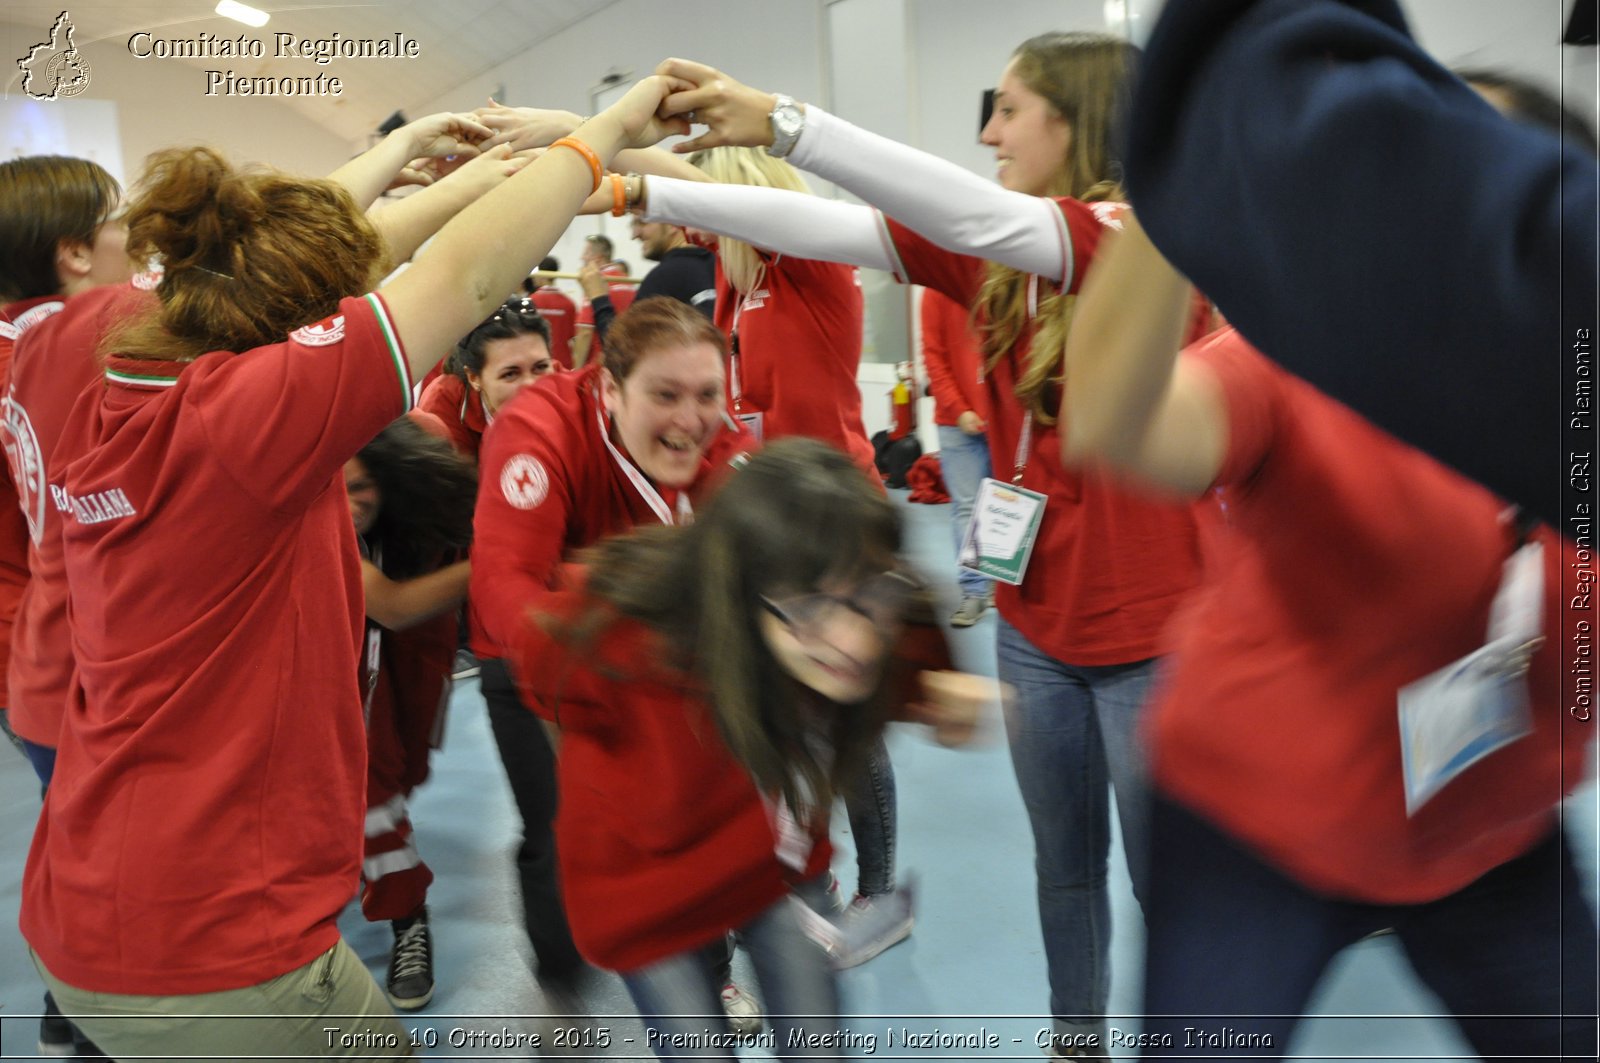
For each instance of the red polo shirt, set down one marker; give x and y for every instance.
(53, 365)
(204, 826)
(1109, 564)
(1356, 565)
(16, 319)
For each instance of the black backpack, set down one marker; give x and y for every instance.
(895, 456)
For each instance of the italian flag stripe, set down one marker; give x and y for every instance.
(381, 312)
(147, 381)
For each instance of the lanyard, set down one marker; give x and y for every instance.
(647, 491)
(736, 380)
(1023, 442)
(374, 642)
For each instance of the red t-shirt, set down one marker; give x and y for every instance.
(459, 409)
(952, 358)
(622, 296)
(550, 481)
(204, 826)
(16, 319)
(561, 314)
(1109, 564)
(1355, 566)
(799, 348)
(666, 844)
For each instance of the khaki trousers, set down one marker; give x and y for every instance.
(330, 1008)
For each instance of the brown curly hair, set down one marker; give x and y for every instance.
(249, 255)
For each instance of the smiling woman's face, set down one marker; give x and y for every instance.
(668, 410)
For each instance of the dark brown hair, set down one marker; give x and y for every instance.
(514, 317)
(799, 515)
(426, 493)
(249, 255)
(45, 200)
(651, 324)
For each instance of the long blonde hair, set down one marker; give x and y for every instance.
(745, 166)
(1087, 78)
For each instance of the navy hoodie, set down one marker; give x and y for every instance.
(1379, 230)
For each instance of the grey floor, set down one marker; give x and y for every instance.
(974, 963)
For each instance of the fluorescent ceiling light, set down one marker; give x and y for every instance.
(242, 13)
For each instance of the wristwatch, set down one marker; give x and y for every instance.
(788, 121)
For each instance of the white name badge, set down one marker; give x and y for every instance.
(753, 424)
(1465, 711)
(999, 538)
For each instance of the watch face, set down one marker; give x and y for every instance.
(787, 120)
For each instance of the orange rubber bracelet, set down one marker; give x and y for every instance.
(588, 156)
(619, 196)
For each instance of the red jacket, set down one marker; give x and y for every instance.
(952, 359)
(799, 334)
(550, 482)
(666, 844)
(459, 409)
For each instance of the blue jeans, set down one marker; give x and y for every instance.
(964, 462)
(1072, 731)
(1235, 943)
(43, 759)
(872, 811)
(681, 995)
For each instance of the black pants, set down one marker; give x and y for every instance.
(530, 767)
(1235, 948)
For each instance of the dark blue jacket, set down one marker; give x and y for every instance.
(1376, 228)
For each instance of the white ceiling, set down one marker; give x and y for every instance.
(458, 40)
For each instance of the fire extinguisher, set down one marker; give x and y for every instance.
(902, 407)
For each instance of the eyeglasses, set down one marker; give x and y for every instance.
(882, 600)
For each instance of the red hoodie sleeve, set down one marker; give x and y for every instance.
(526, 474)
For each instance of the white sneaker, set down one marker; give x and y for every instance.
(741, 1010)
(870, 925)
(970, 611)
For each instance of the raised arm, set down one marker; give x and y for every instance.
(1127, 399)
(490, 246)
(407, 224)
(954, 208)
(367, 175)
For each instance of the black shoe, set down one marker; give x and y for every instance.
(410, 984)
(55, 1032)
(85, 1049)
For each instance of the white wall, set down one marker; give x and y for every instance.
(765, 42)
(162, 104)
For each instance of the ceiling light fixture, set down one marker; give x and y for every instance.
(242, 13)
